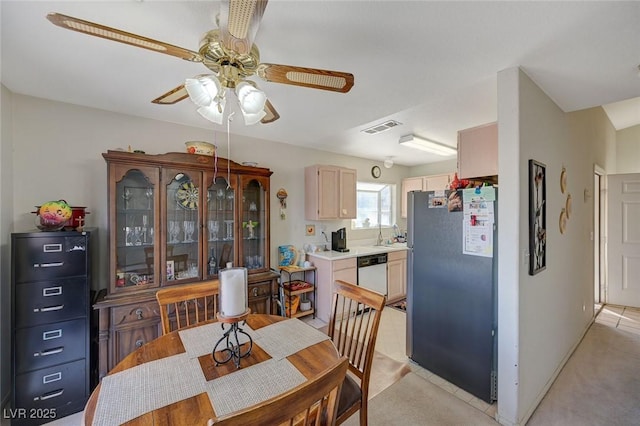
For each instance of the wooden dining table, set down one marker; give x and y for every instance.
(175, 380)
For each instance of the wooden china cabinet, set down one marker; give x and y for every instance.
(169, 216)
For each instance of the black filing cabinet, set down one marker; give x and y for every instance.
(51, 281)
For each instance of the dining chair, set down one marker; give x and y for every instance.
(188, 304)
(298, 406)
(353, 328)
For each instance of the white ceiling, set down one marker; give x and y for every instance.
(429, 65)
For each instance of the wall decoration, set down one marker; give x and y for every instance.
(563, 221)
(563, 180)
(537, 217)
(567, 206)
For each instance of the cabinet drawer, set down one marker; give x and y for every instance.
(50, 344)
(259, 290)
(129, 314)
(51, 301)
(396, 255)
(128, 339)
(44, 258)
(344, 263)
(60, 386)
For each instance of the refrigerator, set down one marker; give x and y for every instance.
(452, 289)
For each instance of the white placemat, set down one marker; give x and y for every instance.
(287, 337)
(147, 387)
(251, 385)
(200, 340)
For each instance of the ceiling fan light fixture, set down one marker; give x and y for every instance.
(213, 112)
(423, 144)
(251, 98)
(203, 90)
(250, 119)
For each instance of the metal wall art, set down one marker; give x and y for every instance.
(537, 217)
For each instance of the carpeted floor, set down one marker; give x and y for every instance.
(414, 400)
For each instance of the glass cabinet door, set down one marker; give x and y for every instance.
(220, 226)
(135, 224)
(183, 223)
(254, 223)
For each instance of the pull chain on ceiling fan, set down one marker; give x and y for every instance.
(230, 54)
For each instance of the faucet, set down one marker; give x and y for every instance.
(380, 240)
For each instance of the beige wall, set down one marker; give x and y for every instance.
(628, 150)
(60, 158)
(542, 317)
(6, 223)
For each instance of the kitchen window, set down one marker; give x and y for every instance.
(375, 205)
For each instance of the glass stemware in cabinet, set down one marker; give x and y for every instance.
(220, 195)
(149, 194)
(213, 228)
(126, 196)
(230, 197)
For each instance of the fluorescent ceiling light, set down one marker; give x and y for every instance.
(427, 145)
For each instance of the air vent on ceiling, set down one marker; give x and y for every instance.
(382, 127)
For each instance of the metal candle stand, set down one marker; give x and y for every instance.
(233, 349)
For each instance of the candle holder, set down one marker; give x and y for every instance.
(231, 348)
(233, 310)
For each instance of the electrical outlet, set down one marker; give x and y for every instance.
(310, 230)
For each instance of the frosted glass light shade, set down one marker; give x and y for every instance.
(251, 99)
(203, 90)
(213, 112)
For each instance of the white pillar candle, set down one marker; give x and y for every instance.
(233, 291)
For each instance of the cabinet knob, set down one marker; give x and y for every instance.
(255, 292)
(139, 343)
(139, 313)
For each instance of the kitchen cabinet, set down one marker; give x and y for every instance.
(178, 218)
(478, 152)
(423, 183)
(328, 272)
(51, 334)
(396, 275)
(330, 192)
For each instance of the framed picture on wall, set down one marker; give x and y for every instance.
(537, 217)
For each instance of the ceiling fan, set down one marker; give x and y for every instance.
(231, 55)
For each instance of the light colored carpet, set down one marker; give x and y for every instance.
(599, 384)
(415, 401)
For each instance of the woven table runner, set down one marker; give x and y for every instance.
(200, 340)
(147, 387)
(287, 337)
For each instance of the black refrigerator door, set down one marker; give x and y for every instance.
(451, 301)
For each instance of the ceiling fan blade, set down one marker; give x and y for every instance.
(308, 77)
(109, 33)
(239, 21)
(272, 114)
(173, 96)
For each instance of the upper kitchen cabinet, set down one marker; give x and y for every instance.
(478, 152)
(423, 183)
(330, 192)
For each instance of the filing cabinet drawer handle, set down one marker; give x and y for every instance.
(49, 352)
(139, 313)
(49, 308)
(52, 248)
(53, 334)
(49, 378)
(48, 265)
(52, 291)
(49, 395)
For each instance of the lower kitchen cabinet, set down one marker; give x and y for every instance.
(129, 321)
(396, 275)
(328, 272)
(51, 324)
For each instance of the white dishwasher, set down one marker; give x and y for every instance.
(372, 272)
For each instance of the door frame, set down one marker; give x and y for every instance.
(599, 234)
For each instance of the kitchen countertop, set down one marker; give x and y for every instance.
(358, 251)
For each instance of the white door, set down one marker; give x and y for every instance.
(623, 260)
